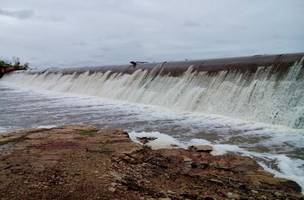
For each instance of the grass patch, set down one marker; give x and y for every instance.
(87, 132)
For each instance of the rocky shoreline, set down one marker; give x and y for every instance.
(83, 162)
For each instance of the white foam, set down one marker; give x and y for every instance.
(162, 141)
(292, 169)
(218, 149)
(47, 126)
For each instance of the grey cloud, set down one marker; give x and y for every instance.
(78, 32)
(191, 24)
(51, 18)
(81, 44)
(19, 14)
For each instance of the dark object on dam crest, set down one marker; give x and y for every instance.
(279, 62)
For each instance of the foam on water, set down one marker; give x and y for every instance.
(161, 141)
(47, 126)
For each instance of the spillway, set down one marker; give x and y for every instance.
(267, 89)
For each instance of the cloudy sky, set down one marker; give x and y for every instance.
(96, 32)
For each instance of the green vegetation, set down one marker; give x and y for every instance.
(6, 66)
(14, 65)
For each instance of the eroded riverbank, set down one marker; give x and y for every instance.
(83, 162)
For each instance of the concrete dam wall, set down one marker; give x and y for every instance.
(250, 63)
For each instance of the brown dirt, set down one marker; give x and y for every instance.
(82, 162)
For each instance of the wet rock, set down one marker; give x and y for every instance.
(159, 161)
(199, 165)
(293, 185)
(201, 148)
(145, 140)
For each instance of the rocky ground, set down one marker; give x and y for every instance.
(83, 162)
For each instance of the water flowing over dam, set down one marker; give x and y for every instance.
(251, 105)
(269, 94)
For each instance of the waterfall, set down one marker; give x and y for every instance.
(266, 95)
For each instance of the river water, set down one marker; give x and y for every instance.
(259, 114)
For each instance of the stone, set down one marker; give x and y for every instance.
(171, 192)
(231, 195)
(201, 148)
(196, 165)
(116, 176)
(145, 140)
(278, 194)
(111, 189)
(217, 181)
(113, 184)
(208, 198)
(263, 197)
(188, 160)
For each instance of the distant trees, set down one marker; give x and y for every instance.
(7, 66)
(14, 64)
(4, 64)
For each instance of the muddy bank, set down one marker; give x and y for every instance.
(83, 162)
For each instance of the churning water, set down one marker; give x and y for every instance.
(259, 114)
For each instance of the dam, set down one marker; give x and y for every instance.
(250, 105)
(266, 89)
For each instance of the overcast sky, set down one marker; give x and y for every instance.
(97, 32)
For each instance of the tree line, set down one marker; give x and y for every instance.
(14, 64)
